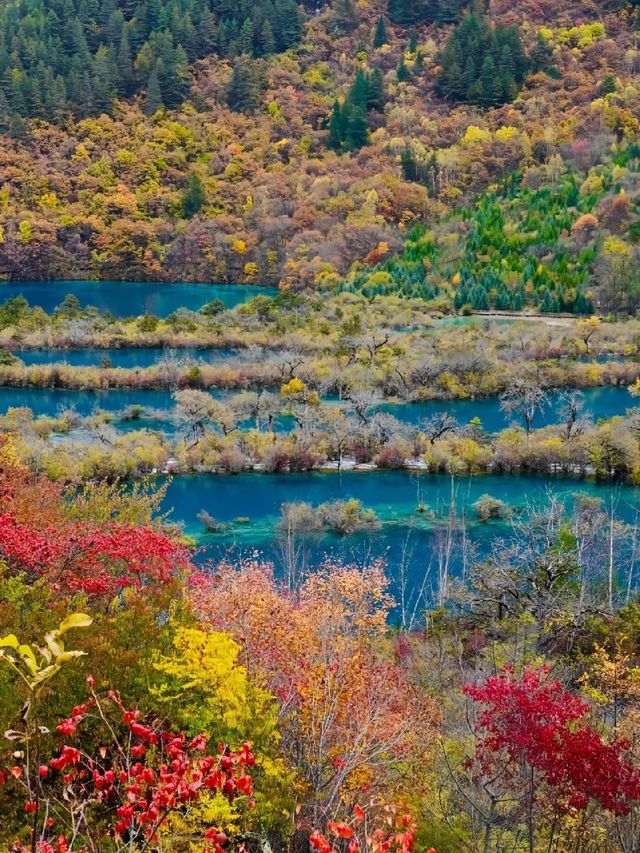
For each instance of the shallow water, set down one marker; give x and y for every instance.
(132, 298)
(599, 402)
(50, 401)
(393, 495)
(120, 357)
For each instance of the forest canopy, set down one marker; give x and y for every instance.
(78, 56)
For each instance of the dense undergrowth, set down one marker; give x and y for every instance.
(221, 708)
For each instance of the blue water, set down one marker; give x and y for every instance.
(600, 403)
(393, 495)
(131, 298)
(130, 358)
(50, 401)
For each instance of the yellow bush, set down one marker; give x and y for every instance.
(475, 136)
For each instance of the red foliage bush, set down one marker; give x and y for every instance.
(533, 720)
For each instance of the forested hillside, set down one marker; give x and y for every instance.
(479, 156)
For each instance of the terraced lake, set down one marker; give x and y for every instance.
(51, 401)
(600, 402)
(406, 536)
(120, 357)
(131, 298)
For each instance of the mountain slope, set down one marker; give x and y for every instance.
(241, 182)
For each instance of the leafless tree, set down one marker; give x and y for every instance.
(438, 425)
(524, 398)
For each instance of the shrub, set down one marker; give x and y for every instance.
(489, 508)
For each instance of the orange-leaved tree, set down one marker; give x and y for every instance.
(353, 723)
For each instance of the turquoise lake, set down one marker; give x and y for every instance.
(50, 401)
(120, 357)
(131, 298)
(600, 403)
(393, 495)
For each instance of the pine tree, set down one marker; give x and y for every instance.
(345, 15)
(267, 40)
(124, 66)
(375, 94)
(151, 16)
(380, 34)
(5, 115)
(336, 127)
(193, 196)
(359, 92)
(542, 55)
(446, 11)
(153, 99)
(409, 165)
(286, 23)
(245, 39)
(245, 87)
(413, 42)
(608, 85)
(403, 12)
(402, 72)
(488, 80)
(207, 34)
(356, 128)
(482, 64)
(102, 84)
(18, 129)
(469, 77)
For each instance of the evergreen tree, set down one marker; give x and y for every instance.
(245, 87)
(404, 12)
(267, 39)
(491, 92)
(482, 64)
(409, 165)
(359, 92)
(375, 93)
(542, 55)
(245, 39)
(408, 12)
(380, 34)
(207, 34)
(608, 85)
(286, 23)
(153, 100)
(348, 125)
(125, 79)
(356, 127)
(345, 15)
(336, 127)
(80, 54)
(103, 85)
(193, 196)
(18, 129)
(402, 72)
(5, 114)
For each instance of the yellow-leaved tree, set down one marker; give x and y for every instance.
(208, 690)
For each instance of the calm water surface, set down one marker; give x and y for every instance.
(50, 401)
(393, 495)
(599, 402)
(120, 357)
(131, 298)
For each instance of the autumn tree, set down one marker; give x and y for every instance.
(537, 757)
(339, 728)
